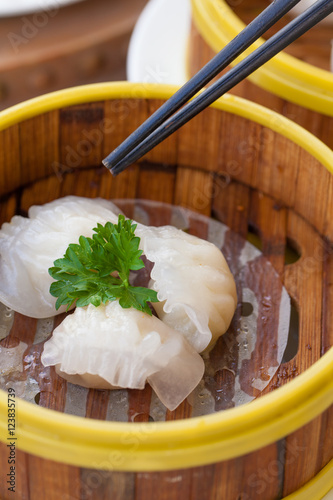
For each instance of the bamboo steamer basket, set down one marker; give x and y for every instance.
(280, 182)
(296, 83)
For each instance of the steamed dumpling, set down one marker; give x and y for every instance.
(109, 347)
(29, 246)
(194, 285)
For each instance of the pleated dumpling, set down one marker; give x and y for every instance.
(194, 285)
(108, 347)
(29, 246)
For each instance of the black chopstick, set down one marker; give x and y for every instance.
(242, 41)
(167, 119)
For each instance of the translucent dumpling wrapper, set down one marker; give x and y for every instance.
(29, 246)
(108, 347)
(194, 285)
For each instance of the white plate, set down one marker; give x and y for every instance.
(158, 45)
(21, 7)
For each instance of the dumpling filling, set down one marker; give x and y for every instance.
(108, 347)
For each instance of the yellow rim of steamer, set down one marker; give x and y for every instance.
(157, 446)
(284, 75)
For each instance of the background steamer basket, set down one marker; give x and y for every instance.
(247, 166)
(297, 83)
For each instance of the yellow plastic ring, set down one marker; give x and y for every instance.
(184, 443)
(284, 75)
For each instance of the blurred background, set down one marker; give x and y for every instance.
(46, 45)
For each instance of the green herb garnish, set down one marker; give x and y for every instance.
(96, 270)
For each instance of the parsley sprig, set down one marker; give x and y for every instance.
(96, 270)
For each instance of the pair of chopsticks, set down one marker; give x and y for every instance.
(175, 112)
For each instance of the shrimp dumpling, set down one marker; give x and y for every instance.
(29, 246)
(194, 285)
(108, 347)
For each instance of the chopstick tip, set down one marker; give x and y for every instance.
(107, 163)
(110, 167)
